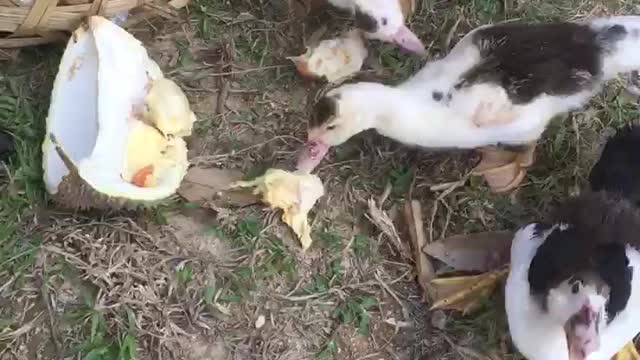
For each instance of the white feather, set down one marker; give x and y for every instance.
(536, 335)
(408, 113)
(343, 4)
(528, 326)
(626, 325)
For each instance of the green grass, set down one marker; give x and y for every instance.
(328, 351)
(355, 310)
(23, 107)
(266, 262)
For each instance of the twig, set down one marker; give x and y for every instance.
(222, 96)
(44, 296)
(413, 215)
(235, 153)
(405, 312)
(464, 351)
(245, 71)
(21, 330)
(450, 187)
(300, 298)
(382, 221)
(385, 194)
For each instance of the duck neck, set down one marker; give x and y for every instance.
(410, 118)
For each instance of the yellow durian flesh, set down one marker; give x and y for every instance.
(293, 192)
(146, 146)
(167, 108)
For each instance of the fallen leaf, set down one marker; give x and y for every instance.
(408, 7)
(628, 352)
(463, 293)
(202, 185)
(480, 252)
(294, 193)
(413, 215)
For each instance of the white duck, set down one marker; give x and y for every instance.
(500, 85)
(573, 291)
(384, 20)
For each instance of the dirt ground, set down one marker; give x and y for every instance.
(229, 282)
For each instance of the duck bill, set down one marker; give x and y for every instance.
(311, 155)
(582, 334)
(408, 40)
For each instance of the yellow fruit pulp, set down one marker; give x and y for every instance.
(167, 107)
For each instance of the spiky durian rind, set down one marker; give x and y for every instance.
(75, 193)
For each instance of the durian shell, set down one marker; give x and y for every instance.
(75, 193)
(72, 190)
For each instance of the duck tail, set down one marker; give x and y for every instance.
(619, 36)
(618, 168)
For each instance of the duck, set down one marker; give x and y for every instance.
(495, 91)
(618, 168)
(573, 289)
(384, 20)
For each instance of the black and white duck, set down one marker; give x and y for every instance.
(496, 90)
(384, 20)
(573, 291)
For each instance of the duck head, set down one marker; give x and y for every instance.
(579, 305)
(384, 20)
(340, 114)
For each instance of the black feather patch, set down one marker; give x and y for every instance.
(558, 259)
(613, 267)
(618, 169)
(324, 110)
(600, 226)
(533, 59)
(365, 21)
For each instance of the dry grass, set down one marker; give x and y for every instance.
(185, 283)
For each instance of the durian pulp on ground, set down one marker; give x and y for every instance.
(104, 74)
(294, 192)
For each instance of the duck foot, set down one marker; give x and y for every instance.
(504, 170)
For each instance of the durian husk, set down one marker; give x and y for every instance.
(75, 193)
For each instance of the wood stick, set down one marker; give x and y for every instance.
(426, 273)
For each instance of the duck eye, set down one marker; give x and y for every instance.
(331, 127)
(575, 287)
(384, 21)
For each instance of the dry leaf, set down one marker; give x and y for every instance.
(463, 293)
(202, 185)
(408, 7)
(628, 352)
(413, 215)
(294, 193)
(485, 251)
